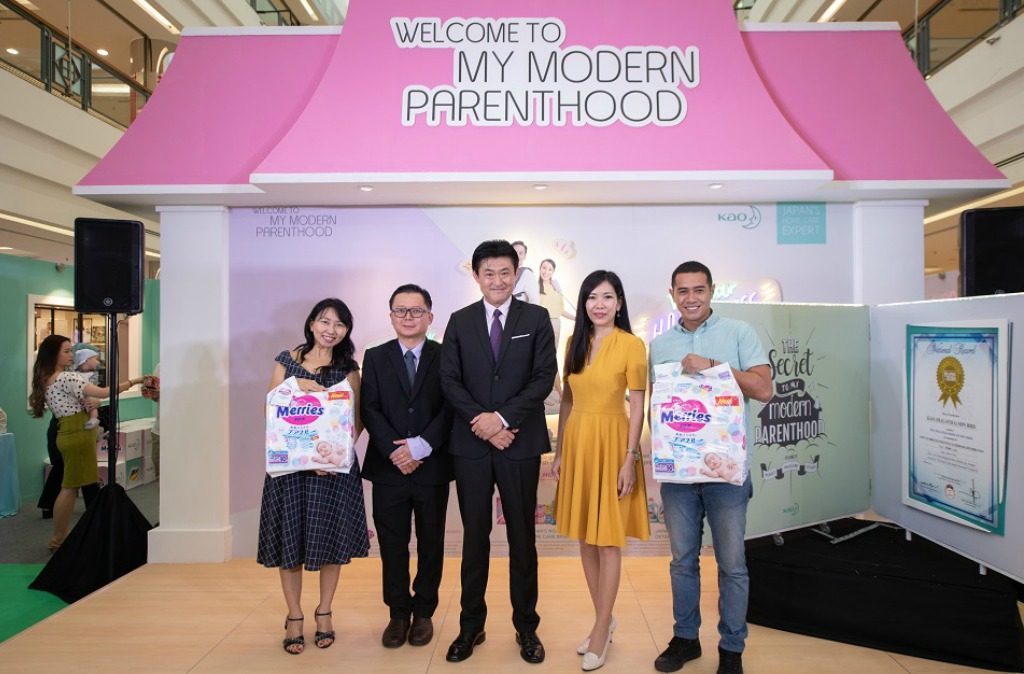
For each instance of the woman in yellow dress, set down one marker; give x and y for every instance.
(601, 497)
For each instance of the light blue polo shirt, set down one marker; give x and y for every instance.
(726, 340)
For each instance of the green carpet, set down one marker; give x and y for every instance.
(21, 607)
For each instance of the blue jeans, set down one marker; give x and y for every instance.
(725, 506)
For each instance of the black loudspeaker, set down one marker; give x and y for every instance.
(991, 251)
(108, 266)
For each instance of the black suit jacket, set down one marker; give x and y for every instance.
(391, 410)
(515, 386)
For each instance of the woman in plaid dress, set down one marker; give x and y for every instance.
(312, 518)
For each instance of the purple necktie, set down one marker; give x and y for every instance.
(496, 334)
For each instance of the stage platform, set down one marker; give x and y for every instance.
(865, 583)
(228, 618)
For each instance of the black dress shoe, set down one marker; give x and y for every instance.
(395, 633)
(421, 632)
(530, 647)
(463, 645)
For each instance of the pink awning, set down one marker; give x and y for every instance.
(224, 103)
(858, 100)
(731, 122)
(257, 117)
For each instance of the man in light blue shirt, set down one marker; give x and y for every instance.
(699, 341)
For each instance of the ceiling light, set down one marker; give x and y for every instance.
(977, 203)
(309, 10)
(6, 248)
(366, 188)
(12, 51)
(715, 186)
(157, 16)
(540, 187)
(828, 14)
(37, 224)
(103, 52)
(150, 253)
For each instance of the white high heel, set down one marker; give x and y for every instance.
(585, 644)
(592, 661)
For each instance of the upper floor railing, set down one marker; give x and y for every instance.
(945, 31)
(42, 56)
(952, 27)
(271, 14)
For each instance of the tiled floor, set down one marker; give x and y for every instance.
(229, 617)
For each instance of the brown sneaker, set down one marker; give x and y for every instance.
(421, 632)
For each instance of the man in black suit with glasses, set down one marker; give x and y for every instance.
(407, 461)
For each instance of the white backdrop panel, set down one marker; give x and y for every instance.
(888, 350)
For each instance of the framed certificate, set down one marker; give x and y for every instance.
(955, 411)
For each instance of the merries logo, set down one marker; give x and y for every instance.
(684, 416)
(303, 410)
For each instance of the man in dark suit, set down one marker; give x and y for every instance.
(497, 366)
(407, 461)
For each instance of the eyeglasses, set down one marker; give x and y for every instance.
(402, 312)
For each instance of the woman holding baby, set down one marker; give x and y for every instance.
(313, 518)
(64, 394)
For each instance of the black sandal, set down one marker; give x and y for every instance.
(293, 641)
(327, 636)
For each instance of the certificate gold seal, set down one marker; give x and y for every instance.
(950, 377)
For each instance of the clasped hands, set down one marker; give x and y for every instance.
(488, 426)
(402, 457)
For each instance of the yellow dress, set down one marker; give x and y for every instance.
(587, 506)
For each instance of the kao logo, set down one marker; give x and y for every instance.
(302, 411)
(684, 416)
(747, 219)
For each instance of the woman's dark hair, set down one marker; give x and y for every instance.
(540, 281)
(343, 352)
(43, 369)
(579, 345)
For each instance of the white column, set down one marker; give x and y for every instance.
(888, 251)
(194, 480)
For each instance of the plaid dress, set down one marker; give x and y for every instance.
(309, 519)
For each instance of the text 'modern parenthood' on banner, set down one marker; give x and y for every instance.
(509, 71)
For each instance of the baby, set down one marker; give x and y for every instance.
(87, 361)
(725, 469)
(327, 453)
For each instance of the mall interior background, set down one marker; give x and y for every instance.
(62, 109)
